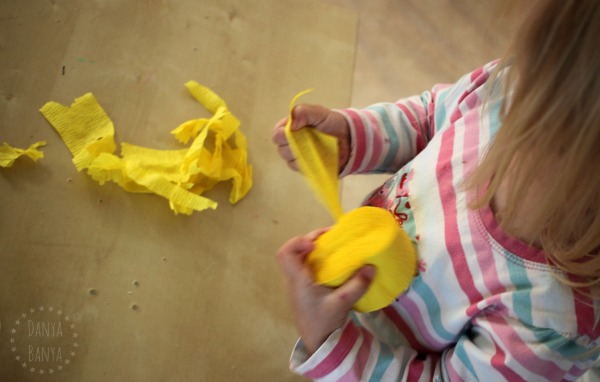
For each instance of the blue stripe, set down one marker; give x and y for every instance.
(383, 362)
(440, 109)
(385, 357)
(494, 116)
(459, 351)
(382, 112)
(562, 345)
(433, 308)
(521, 298)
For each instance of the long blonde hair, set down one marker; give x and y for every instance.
(548, 149)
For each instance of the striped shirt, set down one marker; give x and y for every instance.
(484, 306)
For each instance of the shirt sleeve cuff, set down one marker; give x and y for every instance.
(352, 154)
(310, 365)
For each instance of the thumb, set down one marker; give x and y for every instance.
(308, 115)
(292, 254)
(352, 290)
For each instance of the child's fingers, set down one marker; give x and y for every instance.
(279, 132)
(283, 147)
(286, 153)
(352, 290)
(308, 115)
(293, 165)
(291, 257)
(313, 235)
(304, 116)
(292, 254)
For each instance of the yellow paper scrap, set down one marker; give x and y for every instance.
(222, 120)
(84, 127)
(218, 152)
(366, 235)
(317, 156)
(9, 154)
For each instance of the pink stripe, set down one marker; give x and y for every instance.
(415, 370)
(377, 143)
(485, 257)
(420, 142)
(360, 141)
(498, 361)
(575, 372)
(494, 301)
(404, 329)
(476, 80)
(481, 245)
(431, 108)
(355, 373)
(521, 351)
(434, 360)
(584, 311)
(333, 360)
(454, 376)
(444, 173)
(471, 101)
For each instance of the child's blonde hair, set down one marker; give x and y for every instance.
(550, 137)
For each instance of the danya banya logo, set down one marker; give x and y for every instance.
(44, 341)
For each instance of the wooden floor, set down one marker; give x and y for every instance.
(406, 46)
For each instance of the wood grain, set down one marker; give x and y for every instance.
(154, 296)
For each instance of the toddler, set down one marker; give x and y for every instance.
(497, 182)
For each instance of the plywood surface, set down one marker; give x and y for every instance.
(140, 293)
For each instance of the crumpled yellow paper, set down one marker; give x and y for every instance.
(9, 154)
(366, 235)
(217, 152)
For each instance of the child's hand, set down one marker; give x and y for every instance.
(318, 310)
(320, 118)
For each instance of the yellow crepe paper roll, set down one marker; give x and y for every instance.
(366, 235)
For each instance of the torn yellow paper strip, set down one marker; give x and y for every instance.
(217, 153)
(84, 127)
(9, 154)
(317, 156)
(209, 99)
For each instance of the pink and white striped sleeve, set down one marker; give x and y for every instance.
(385, 136)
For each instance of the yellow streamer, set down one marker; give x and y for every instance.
(366, 235)
(218, 152)
(317, 156)
(9, 154)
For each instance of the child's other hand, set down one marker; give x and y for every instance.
(317, 117)
(318, 310)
